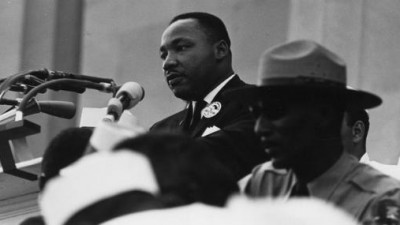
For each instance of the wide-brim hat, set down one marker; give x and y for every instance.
(303, 66)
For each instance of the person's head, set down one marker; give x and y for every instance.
(196, 55)
(35, 220)
(294, 126)
(354, 131)
(185, 171)
(98, 187)
(64, 149)
(299, 104)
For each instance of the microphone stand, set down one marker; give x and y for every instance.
(15, 131)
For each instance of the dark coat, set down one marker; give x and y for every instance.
(234, 143)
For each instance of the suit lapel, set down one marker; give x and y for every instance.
(209, 122)
(185, 120)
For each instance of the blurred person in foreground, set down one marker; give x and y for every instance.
(197, 62)
(299, 105)
(73, 143)
(240, 210)
(147, 172)
(64, 149)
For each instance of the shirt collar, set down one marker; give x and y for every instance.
(324, 185)
(211, 95)
(214, 92)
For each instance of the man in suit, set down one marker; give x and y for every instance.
(299, 104)
(197, 64)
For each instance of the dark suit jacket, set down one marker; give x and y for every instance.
(235, 144)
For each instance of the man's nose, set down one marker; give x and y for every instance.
(169, 62)
(263, 126)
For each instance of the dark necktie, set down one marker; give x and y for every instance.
(300, 190)
(197, 113)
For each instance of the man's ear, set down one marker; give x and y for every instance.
(221, 49)
(358, 131)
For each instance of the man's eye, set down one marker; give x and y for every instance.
(182, 47)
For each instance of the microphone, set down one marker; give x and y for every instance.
(80, 86)
(129, 95)
(5, 101)
(56, 83)
(53, 75)
(62, 109)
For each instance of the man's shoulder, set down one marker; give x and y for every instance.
(231, 105)
(380, 189)
(372, 180)
(265, 180)
(391, 170)
(387, 204)
(234, 83)
(358, 188)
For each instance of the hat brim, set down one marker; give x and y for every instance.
(353, 98)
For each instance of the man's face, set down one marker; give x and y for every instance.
(288, 130)
(189, 61)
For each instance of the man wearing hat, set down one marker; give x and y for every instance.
(299, 105)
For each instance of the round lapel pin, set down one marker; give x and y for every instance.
(211, 110)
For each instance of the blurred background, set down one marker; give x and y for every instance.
(120, 39)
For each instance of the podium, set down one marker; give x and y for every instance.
(12, 135)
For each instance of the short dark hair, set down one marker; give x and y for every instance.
(185, 171)
(65, 148)
(213, 26)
